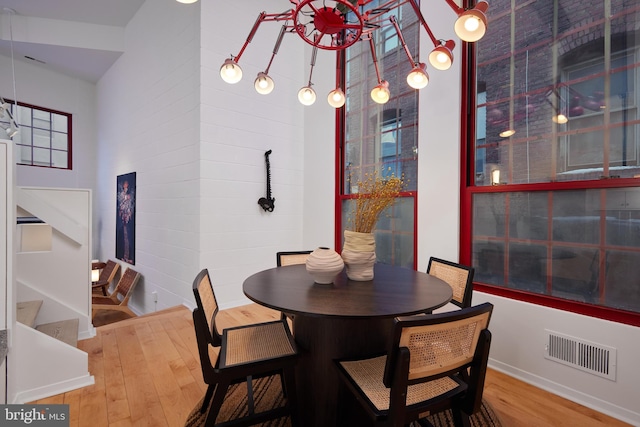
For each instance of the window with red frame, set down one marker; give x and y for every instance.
(44, 138)
(383, 139)
(554, 171)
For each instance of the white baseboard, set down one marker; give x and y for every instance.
(599, 405)
(53, 389)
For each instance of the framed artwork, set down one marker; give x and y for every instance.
(126, 218)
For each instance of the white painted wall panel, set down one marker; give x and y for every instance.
(238, 125)
(148, 123)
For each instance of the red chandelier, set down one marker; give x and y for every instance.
(336, 25)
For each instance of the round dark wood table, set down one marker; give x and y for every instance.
(344, 319)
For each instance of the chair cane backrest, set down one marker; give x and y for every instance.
(109, 271)
(440, 343)
(458, 276)
(208, 305)
(291, 258)
(126, 285)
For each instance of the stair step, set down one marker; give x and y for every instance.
(27, 311)
(65, 330)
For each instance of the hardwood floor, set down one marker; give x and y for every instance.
(147, 372)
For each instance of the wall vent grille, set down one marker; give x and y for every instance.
(594, 358)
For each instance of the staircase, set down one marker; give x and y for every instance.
(64, 330)
(44, 359)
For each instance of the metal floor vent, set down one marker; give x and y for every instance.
(594, 358)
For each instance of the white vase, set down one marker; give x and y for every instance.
(359, 255)
(323, 264)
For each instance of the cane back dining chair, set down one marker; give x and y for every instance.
(285, 258)
(435, 363)
(245, 352)
(107, 275)
(458, 276)
(119, 298)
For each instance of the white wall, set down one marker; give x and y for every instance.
(238, 238)
(148, 123)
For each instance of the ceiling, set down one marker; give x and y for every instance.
(85, 63)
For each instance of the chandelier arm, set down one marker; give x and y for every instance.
(416, 9)
(401, 37)
(453, 5)
(314, 54)
(375, 58)
(251, 34)
(276, 47)
(351, 26)
(264, 16)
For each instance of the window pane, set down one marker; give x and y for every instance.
(566, 259)
(59, 159)
(394, 232)
(59, 141)
(555, 67)
(621, 292)
(576, 216)
(41, 157)
(59, 123)
(24, 154)
(24, 116)
(41, 119)
(24, 136)
(41, 138)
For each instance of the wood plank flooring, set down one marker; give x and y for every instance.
(147, 373)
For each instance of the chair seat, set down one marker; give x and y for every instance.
(368, 374)
(249, 344)
(100, 285)
(98, 300)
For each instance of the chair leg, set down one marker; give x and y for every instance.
(288, 375)
(207, 398)
(282, 384)
(460, 419)
(250, 402)
(218, 399)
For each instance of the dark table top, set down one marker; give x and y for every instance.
(394, 291)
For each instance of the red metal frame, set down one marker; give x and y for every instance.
(468, 189)
(330, 22)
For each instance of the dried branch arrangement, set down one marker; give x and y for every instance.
(375, 194)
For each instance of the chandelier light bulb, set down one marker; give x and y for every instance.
(441, 58)
(380, 94)
(471, 24)
(307, 96)
(230, 71)
(336, 98)
(418, 77)
(264, 84)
